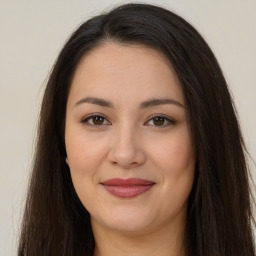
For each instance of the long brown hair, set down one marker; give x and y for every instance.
(219, 221)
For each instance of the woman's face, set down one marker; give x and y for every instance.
(127, 139)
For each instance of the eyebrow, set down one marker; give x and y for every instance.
(96, 101)
(145, 104)
(156, 102)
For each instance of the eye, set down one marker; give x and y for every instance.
(160, 121)
(95, 120)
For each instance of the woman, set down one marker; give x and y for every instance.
(139, 149)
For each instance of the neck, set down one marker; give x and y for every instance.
(167, 241)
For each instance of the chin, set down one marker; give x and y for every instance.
(126, 221)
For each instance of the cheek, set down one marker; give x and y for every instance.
(176, 162)
(84, 158)
(83, 153)
(176, 153)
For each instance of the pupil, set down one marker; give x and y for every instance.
(158, 121)
(97, 120)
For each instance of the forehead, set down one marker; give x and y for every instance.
(114, 69)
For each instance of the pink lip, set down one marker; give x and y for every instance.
(127, 188)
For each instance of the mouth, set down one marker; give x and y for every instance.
(127, 188)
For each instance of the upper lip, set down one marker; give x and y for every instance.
(127, 182)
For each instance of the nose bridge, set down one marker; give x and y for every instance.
(126, 149)
(126, 132)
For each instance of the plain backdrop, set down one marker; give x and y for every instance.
(33, 32)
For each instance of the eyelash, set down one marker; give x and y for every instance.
(86, 119)
(169, 121)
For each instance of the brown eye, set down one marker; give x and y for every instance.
(98, 120)
(95, 120)
(160, 121)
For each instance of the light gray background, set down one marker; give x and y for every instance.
(33, 32)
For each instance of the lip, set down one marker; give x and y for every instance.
(127, 188)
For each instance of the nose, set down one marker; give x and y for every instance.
(126, 148)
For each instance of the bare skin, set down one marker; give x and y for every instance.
(165, 242)
(126, 118)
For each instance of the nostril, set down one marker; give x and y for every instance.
(126, 154)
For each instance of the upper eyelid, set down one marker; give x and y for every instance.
(85, 120)
(92, 115)
(160, 115)
(168, 118)
(170, 121)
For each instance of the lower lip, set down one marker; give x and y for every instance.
(128, 191)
